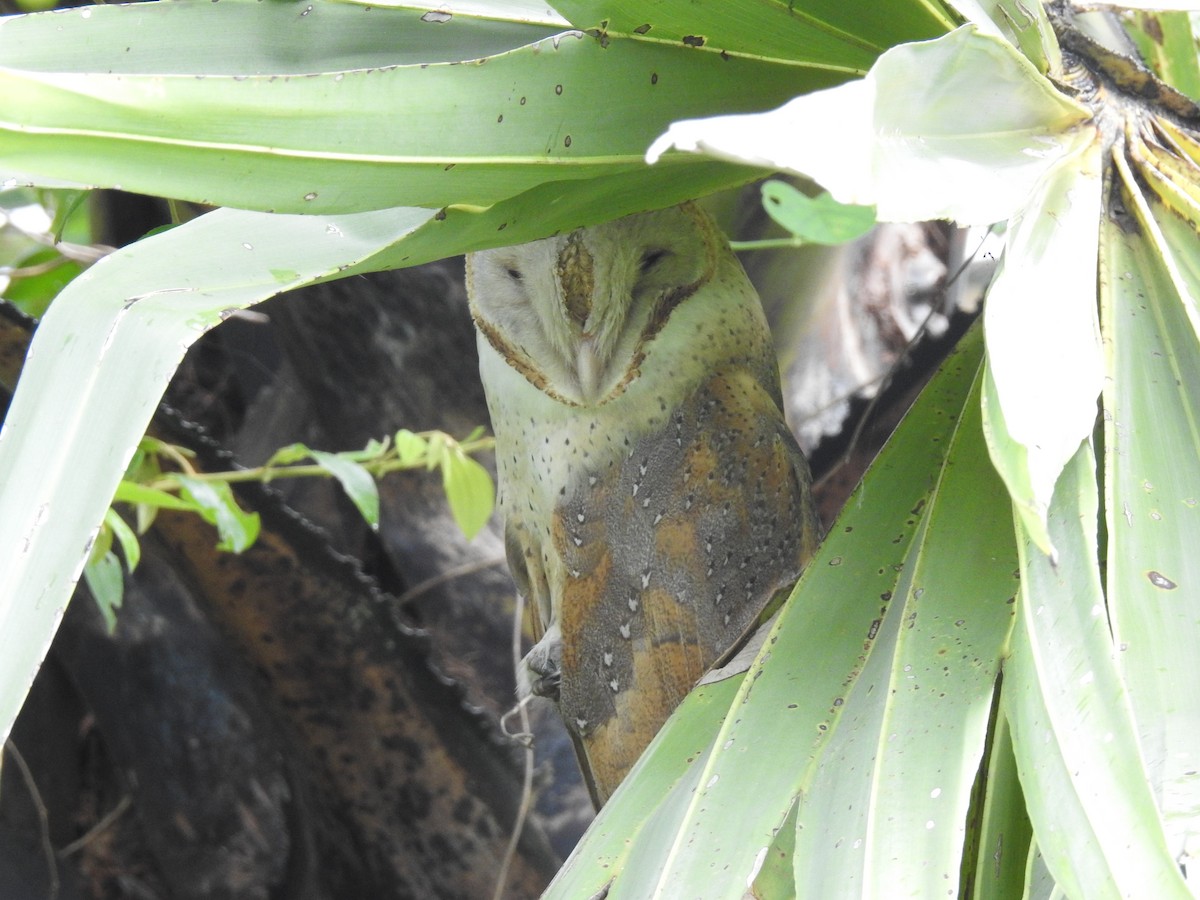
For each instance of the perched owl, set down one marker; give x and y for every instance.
(654, 500)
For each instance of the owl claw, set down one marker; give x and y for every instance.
(541, 669)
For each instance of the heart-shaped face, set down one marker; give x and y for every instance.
(655, 501)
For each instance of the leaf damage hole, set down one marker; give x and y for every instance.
(1160, 580)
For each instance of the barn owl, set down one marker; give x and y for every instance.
(654, 500)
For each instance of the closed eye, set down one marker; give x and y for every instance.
(514, 274)
(651, 258)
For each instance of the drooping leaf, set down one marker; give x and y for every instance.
(1152, 501)
(960, 128)
(818, 220)
(292, 453)
(1043, 337)
(106, 581)
(356, 481)
(820, 33)
(126, 537)
(1165, 40)
(1001, 850)
(410, 448)
(887, 807)
(469, 491)
(237, 530)
(140, 494)
(1074, 737)
(284, 119)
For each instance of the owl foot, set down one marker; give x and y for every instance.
(541, 670)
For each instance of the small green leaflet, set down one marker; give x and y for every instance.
(356, 482)
(410, 447)
(106, 581)
(125, 537)
(236, 528)
(469, 490)
(292, 453)
(815, 220)
(141, 494)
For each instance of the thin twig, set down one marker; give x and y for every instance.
(43, 815)
(90, 835)
(265, 473)
(786, 243)
(527, 781)
(423, 587)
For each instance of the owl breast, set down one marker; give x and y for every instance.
(670, 557)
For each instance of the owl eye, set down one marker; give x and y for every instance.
(651, 258)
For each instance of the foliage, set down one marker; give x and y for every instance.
(977, 683)
(147, 487)
(809, 220)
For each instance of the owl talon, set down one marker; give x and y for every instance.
(541, 669)
(546, 685)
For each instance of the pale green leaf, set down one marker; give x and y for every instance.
(269, 123)
(1152, 502)
(817, 220)
(102, 545)
(1168, 45)
(1039, 882)
(106, 581)
(1074, 738)
(887, 808)
(1043, 337)
(250, 38)
(776, 877)
(374, 450)
(140, 494)
(1004, 836)
(469, 491)
(410, 448)
(237, 530)
(532, 11)
(356, 481)
(292, 453)
(104, 352)
(1182, 5)
(829, 34)
(961, 128)
(125, 536)
(1025, 25)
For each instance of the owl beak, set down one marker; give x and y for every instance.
(587, 367)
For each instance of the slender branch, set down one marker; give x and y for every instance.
(525, 738)
(377, 467)
(470, 568)
(43, 815)
(90, 835)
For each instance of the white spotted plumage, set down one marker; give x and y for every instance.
(635, 399)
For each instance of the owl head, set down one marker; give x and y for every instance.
(574, 313)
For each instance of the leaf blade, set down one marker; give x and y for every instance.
(356, 481)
